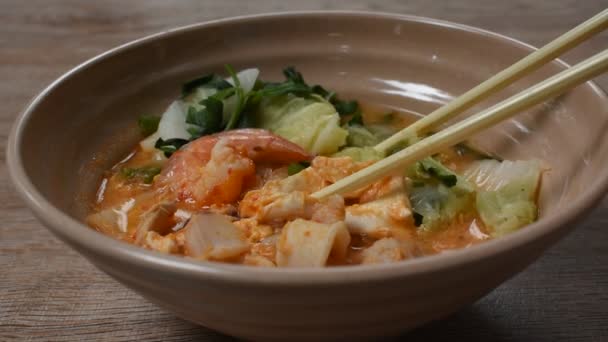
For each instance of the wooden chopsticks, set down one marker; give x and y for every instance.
(460, 131)
(501, 80)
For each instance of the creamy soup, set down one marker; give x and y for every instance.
(226, 174)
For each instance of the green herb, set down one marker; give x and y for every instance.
(223, 94)
(271, 89)
(208, 81)
(144, 174)
(207, 120)
(291, 74)
(170, 145)
(148, 124)
(240, 98)
(438, 171)
(295, 84)
(294, 168)
(247, 121)
(346, 107)
(328, 95)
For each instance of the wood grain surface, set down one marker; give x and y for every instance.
(48, 292)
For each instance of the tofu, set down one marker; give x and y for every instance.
(376, 218)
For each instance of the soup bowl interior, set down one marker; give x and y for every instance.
(87, 121)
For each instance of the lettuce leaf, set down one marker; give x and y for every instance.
(312, 123)
(437, 194)
(359, 154)
(359, 136)
(506, 200)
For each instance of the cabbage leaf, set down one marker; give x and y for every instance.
(506, 200)
(312, 123)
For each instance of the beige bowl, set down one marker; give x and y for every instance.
(84, 122)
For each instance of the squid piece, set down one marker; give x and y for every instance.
(213, 237)
(309, 244)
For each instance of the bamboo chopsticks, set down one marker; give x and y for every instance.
(499, 81)
(460, 131)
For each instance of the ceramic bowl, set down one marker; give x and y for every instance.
(86, 120)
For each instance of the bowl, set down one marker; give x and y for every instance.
(86, 120)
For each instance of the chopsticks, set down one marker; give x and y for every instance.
(460, 131)
(501, 80)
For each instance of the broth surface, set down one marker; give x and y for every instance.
(129, 196)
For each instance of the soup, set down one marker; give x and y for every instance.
(227, 172)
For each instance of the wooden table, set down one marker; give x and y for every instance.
(48, 292)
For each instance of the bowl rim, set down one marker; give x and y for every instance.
(93, 243)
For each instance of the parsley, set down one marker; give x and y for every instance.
(148, 124)
(143, 174)
(170, 145)
(208, 81)
(241, 100)
(291, 74)
(346, 107)
(207, 120)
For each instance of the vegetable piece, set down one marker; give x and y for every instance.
(382, 131)
(148, 124)
(211, 81)
(360, 154)
(243, 84)
(291, 74)
(438, 196)
(508, 190)
(294, 168)
(359, 136)
(435, 169)
(347, 108)
(173, 124)
(148, 143)
(213, 237)
(247, 79)
(311, 123)
(208, 120)
(309, 244)
(169, 146)
(295, 85)
(240, 99)
(143, 174)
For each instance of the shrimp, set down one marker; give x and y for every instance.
(214, 169)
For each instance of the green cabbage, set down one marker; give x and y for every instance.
(437, 194)
(359, 154)
(359, 136)
(506, 200)
(311, 122)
